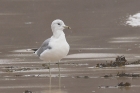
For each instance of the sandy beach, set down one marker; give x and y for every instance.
(101, 31)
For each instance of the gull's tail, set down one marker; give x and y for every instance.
(34, 49)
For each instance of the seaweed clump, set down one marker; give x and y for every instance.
(16, 69)
(124, 84)
(127, 75)
(122, 74)
(28, 91)
(86, 77)
(135, 62)
(119, 61)
(107, 76)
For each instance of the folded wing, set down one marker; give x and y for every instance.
(44, 46)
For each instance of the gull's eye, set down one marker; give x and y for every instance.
(58, 23)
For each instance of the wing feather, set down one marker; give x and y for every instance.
(44, 46)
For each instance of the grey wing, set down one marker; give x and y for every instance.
(43, 47)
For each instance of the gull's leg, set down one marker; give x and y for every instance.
(59, 74)
(59, 67)
(50, 79)
(49, 69)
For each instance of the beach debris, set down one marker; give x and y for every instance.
(134, 20)
(127, 75)
(18, 75)
(28, 91)
(8, 70)
(66, 63)
(119, 61)
(78, 76)
(14, 69)
(124, 84)
(121, 84)
(46, 66)
(122, 74)
(135, 62)
(10, 67)
(106, 76)
(86, 77)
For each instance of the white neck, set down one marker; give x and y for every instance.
(58, 33)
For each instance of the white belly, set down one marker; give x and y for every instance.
(59, 50)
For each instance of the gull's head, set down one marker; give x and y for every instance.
(58, 25)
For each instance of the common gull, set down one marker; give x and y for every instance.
(56, 47)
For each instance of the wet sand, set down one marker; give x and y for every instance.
(99, 33)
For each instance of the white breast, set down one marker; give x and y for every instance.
(60, 49)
